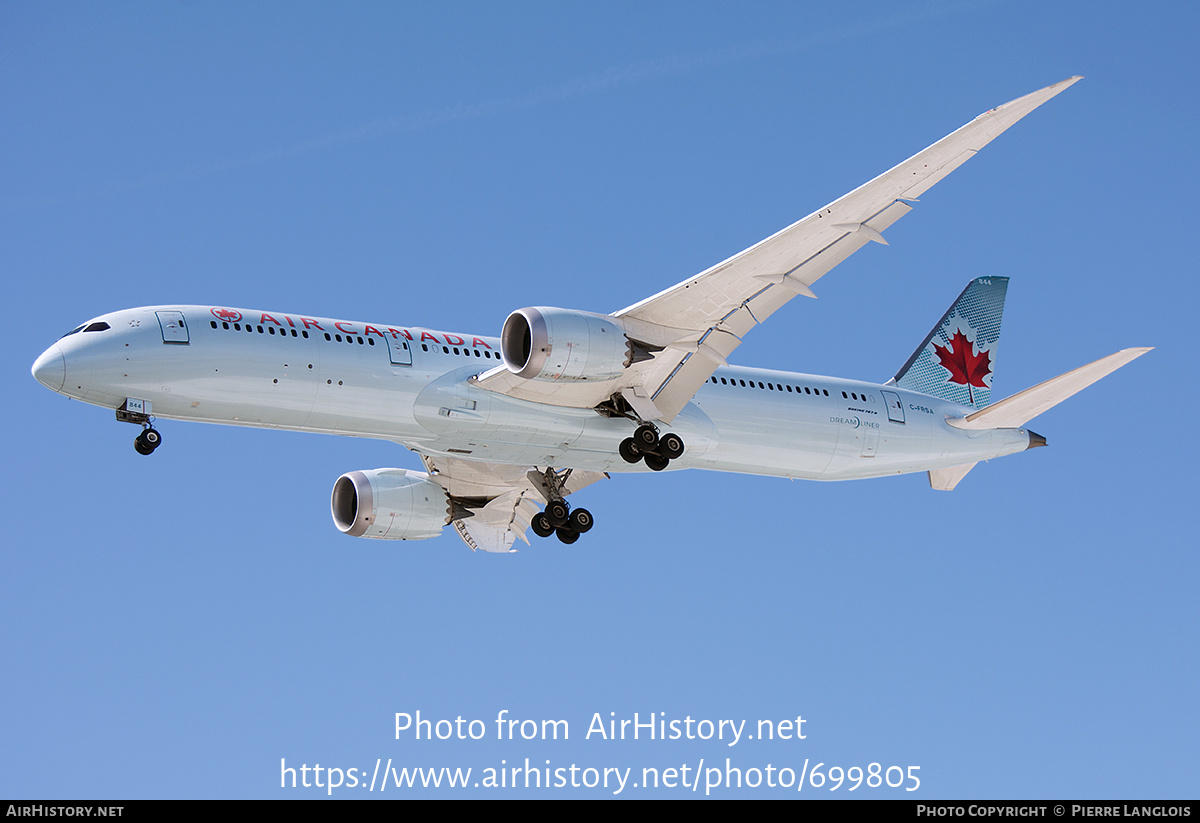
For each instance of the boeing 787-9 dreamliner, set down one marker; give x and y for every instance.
(507, 427)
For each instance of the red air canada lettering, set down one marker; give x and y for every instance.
(232, 315)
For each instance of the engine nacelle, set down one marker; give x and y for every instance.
(542, 343)
(389, 504)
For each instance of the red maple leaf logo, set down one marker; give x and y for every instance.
(227, 314)
(965, 366)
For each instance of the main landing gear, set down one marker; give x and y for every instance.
(646, 444)
(558, 518)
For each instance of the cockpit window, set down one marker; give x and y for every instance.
(99, 325)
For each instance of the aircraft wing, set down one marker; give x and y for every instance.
(692, 327)
(493, 504)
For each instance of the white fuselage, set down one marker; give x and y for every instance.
(284, 371)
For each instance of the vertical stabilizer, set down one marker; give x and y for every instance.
(956, 359)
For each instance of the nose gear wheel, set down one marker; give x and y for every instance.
(147, 441)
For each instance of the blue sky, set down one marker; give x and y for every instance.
(174, 626)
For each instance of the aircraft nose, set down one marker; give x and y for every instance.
(50, 369)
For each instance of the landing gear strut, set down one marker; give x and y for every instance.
(658, 450)
(646, 444)
(149, 439)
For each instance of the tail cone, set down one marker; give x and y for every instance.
(1035, 440)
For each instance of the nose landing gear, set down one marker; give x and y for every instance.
(138, 413)
(147, 441)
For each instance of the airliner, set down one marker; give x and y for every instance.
(508, 427)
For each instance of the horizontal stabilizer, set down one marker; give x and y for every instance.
(946, 479)
(1014, 412)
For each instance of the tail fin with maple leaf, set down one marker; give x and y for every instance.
(956, 359)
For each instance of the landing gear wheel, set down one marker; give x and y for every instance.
(581, 521)
(645, 437)
(670, 445)
(629, 450)
(541, 525)
(656, 463)
(557, 513)
(567, 536)
(147, 441)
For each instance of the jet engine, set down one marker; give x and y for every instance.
(389, 504)
(542, 343)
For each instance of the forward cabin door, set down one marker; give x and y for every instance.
(174, 327)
